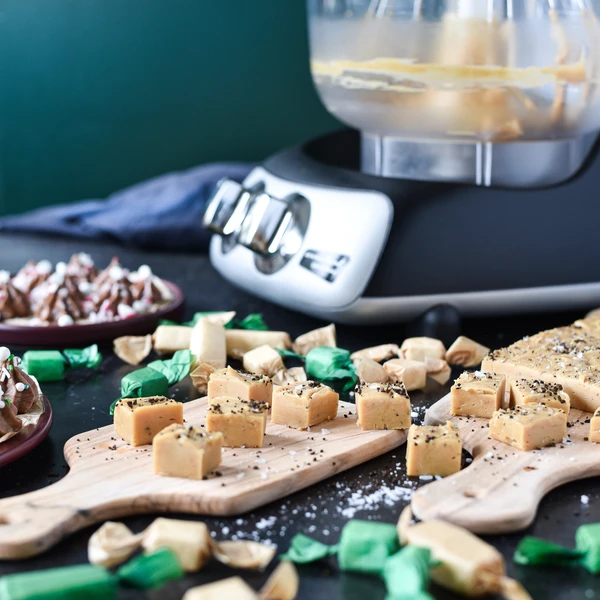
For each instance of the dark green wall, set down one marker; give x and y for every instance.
(98, 94)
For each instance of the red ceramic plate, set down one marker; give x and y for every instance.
(28, 438)
(53, 336)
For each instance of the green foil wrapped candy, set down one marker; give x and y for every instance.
(365, 546)
(326, 363)
(83, 582)
(86, 358)
(533, 551)
(175, 369)
(143, 383)
(45, 365)
(304, 549)
(151, 570)
(587, 540)
(406, 574)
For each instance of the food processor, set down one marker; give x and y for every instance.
(469, 175)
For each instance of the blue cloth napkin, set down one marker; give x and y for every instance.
(165, 212)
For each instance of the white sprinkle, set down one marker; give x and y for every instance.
(225, 530)
(144, 272)
(125, 311)
(44, 267)
(585, 500)
(20, 387)
(61, 268)
(139, 306)
(4, 276)
(64, 321)
(116, 273)
(85, 287)
(85, 259)
(4, 353)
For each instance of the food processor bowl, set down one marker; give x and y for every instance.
(487, 92)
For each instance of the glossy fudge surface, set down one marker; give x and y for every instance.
(242, 422)
(230, 382)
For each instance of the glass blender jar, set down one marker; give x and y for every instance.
(492, 92)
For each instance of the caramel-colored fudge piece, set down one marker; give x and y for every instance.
(569, 356)
(138, 420)
(529, 426)
(303, 405)
(240, 384)
(478, 394)
(242, 422)
(180, 451)
(536, 391)
(595, 427)
(433, 450)
(382, 406)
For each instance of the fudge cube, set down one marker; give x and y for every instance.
(536, 391)
(138, 420)
(240, 384)
(412, 373)
(382, 406)
(242, 422)
(144, 383)
(529, 426)
(433, 450)
(189, 540)
(224, 589)
(595, 427)
(303, 405)
(478, 394)
(180, 451)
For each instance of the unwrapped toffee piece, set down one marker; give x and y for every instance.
(138, 420)
(433, 450)
(382, 406)
(529, 427)
(179, 451)
(247, 386)
(45, 365)
(149, 571)
(242, 422)
(478, 394)
(190, 540)
(324, 336)
(466, 353)
(304, 405)
(536, 391)
(82, 582)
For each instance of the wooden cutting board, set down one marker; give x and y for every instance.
(499, 492)
(110, 479)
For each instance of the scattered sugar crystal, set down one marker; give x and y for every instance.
(325, 431)
(425, 477)
(585, 500)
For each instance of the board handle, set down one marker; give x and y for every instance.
(32, 523)
(482, 500)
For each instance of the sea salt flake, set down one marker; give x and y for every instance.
(325, 431)
(585, 500)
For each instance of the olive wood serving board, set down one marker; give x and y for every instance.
(110, 479)
(499, 492)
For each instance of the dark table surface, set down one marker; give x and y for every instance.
(82, 402)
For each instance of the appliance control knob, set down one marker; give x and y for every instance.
(226, 207)
(266, 222)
